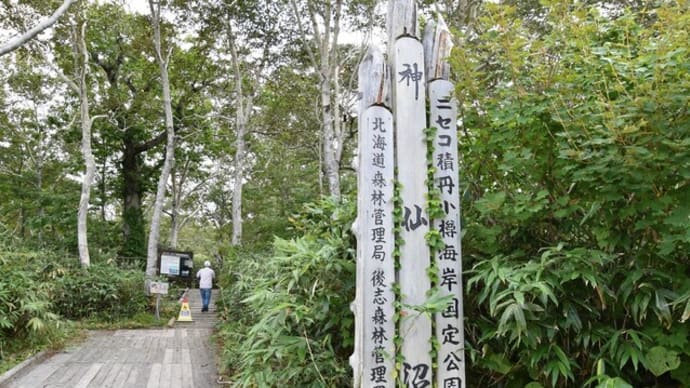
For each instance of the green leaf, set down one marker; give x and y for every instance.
(515, 311)
(686, 312)
(497, 363)
(616, 382)
(680, 217)
(660, 360)
(491, 202)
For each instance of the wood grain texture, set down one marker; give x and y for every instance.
(449, 323)
(376, 244)
(410, 121)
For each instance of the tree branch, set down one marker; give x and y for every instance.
(16, 42)
(303, 34)
(151, 143)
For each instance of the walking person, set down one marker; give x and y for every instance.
(205, 276)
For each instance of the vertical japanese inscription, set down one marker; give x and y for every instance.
(449, 322)
(410, 121)
(375, 216)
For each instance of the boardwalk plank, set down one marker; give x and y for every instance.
(39, 375)
(166, 375)
(155, 376)
(132, 378)
(175, 375)
(187, 374)
(88, 376)
(123, 375)
(112, 375)
(168, 356)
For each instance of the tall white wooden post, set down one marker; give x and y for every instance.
(376, 238)
(449, 323)
(409, 101)
(410, 122)
(443, 113)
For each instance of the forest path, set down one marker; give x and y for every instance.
(179, 357)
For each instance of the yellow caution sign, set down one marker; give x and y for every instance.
(185, 313)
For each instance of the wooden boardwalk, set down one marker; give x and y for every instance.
(179, 357)
(201, 320)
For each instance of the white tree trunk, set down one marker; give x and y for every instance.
(89, 161)
(238, 183)
(329, 141)
(325, 30)
(175, 196)
(154, 234)
(23, 38)
(243, 108)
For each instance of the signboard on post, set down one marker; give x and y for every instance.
(159, 288)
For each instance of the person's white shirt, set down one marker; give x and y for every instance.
(205, 276)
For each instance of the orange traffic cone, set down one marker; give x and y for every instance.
(185, 313)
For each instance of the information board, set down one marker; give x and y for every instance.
(170, 265)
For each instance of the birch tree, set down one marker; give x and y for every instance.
(154, 233)
(89, 162)
(261, 26)
(80, 56)
(319, 34)
(243, 105)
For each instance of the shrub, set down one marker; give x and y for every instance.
(27, 319)
(575, 207)
(101, 291)
(293, 325)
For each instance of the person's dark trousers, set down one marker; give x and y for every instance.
(205, 298)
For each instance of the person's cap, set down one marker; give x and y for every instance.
(207, 263)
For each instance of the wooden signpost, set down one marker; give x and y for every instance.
(410, 121)
(449, 325)
(377, 222)
(158, 289)
(376, 362)
(374, 227)
(443, 113)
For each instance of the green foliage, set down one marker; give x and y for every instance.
(293, 325)
(40, 289)
(290, 125)
(660, 360)
(27, 317)
(100, 291)
(575, 211)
